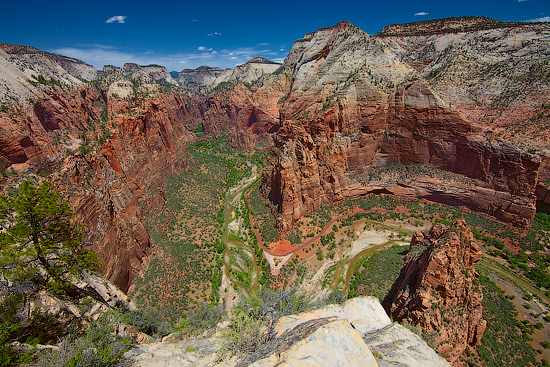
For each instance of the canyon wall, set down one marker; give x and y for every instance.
(354, 106)
(110, 155)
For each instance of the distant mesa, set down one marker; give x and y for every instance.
(444, 25)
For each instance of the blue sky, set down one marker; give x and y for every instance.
(216, 33)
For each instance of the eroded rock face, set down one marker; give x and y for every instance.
(128, 177)
(111, 155)
(204, 79)
(354, 107)
(437, 289)
(250, 118)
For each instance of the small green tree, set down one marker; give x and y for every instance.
(39, 241)
(320, 254)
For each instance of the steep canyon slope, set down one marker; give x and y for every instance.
(426, 115)
(359, 104)
(108, 153)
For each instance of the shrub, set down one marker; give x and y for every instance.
(98, 346)
(204, 317)
(253, 320)
(88, 351)
(146, 321)
(244, 335)
(8, 356)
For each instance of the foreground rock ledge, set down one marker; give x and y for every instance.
(335, 335)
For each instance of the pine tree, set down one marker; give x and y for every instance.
(39, 240)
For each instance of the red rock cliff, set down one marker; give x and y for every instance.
(354, 107)
(111, 156)
(437, 289)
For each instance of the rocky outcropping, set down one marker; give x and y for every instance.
(438, 289)
(357, 333)
(24, 70)
(355, 106)
(109, 153)
(85, 298)
(250, 118)
(204, 79)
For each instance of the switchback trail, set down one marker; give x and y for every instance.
(313, 239)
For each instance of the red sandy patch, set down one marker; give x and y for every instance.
(281, 247)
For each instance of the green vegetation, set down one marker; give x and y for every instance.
(383, 208)
(187, 269)
(39, 79)
(375, 275)
(204, 317)
(40, 243)
(8, 356)
(543, 220)
(504, 333)
(264, 219)
(533, 266)
(101, 345)
(253, 320)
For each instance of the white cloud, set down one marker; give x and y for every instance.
(281, 49)
(214, 52)
(116, 18)
(521, 1)
(543, 19)
(202, 48)
(214, 34)
(233, 58)
(420, 13)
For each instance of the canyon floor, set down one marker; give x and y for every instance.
(355, 248)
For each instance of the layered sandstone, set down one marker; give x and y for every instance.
(437, 289)
(110, 154)
(250, 116)
(204, 79)
(355, 106)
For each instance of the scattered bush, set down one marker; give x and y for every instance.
(204, 317)
(253, 320)
(99, 346)
(148, 322)
(8, 356)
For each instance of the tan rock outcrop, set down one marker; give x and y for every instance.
(351, 334)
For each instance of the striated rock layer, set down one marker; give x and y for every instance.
(437, 289)
(111, 155)
(355, 106)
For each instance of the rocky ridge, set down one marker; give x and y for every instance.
(355, 105)
(444, 25)
(204, 79)
(24, 70)
(437, 289)
(357, 333)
